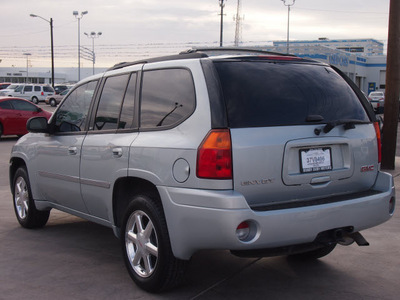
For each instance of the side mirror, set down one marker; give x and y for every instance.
(37, 124)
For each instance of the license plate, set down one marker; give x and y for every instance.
(315, 160)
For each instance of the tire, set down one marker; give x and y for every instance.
(24, 206)
(146, 246)
(314, 254)
(53, 102)
(35, 100)
(1, 130)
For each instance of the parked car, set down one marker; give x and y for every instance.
(55, 99)
(259, 153)
(9, 89)
(15, 112)
(33, 92)
(377, 100)
(4, 85)
(60, 88)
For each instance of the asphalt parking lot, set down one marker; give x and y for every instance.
(71, 258)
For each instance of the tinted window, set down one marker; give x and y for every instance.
(37, 88)
(126, 119)
(168, 97)
(110, 103)
(48, 89)
(72, 114)
(5, 105)
(270, 94)
(22, 105)
(28, 88)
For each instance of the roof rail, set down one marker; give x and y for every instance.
(234, 50)
(182, 55)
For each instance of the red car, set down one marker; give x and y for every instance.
(15, 112)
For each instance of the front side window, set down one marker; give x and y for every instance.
(72, 115)
(109, 108)
(167, 97)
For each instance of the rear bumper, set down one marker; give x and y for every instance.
(204, 219)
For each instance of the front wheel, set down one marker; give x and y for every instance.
(53, 102)
(25, 210)
(146, 246)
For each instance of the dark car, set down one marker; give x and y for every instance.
(60, 88)
(15, 112)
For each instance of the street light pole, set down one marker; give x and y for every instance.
(52, 45)
(27, 66)
(222, 5)
(79, 17)
(288, 16)
(93, 35)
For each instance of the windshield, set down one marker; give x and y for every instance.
(260, 93)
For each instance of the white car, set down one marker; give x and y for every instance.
(32, 92)
(10, 89)
(377, 100)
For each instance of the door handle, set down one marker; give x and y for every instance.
(117, 152)
(72, 150)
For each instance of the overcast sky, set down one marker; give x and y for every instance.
(133, 29)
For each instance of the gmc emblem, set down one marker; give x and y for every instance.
(367, 168)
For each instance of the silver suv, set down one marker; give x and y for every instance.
(262, 154)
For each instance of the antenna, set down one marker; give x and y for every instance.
(238, 18)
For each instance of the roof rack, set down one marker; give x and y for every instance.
(198, 53)
(234, 50)
(181, 55)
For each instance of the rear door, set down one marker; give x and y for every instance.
(298, 132)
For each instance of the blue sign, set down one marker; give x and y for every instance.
(336, 59)
(371, 87)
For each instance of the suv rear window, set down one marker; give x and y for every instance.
(259, 94)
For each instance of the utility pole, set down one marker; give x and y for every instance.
(392, 90)
(222, 5)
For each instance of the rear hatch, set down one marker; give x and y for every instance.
(299, 133)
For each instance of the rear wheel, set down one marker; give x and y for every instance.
(146, 246)
(35, 100)
(25, 210)
(314, 254)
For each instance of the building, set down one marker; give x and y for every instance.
(362, 60)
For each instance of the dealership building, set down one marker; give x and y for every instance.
(363, 60)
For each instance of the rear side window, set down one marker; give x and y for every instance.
(259, 94)
(167, 98)
(37, 88)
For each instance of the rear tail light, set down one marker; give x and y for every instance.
(378, 140)
(214, 155)
(42, 94)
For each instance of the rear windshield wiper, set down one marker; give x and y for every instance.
(348, 124)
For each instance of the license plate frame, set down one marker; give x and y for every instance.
(314, 160)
